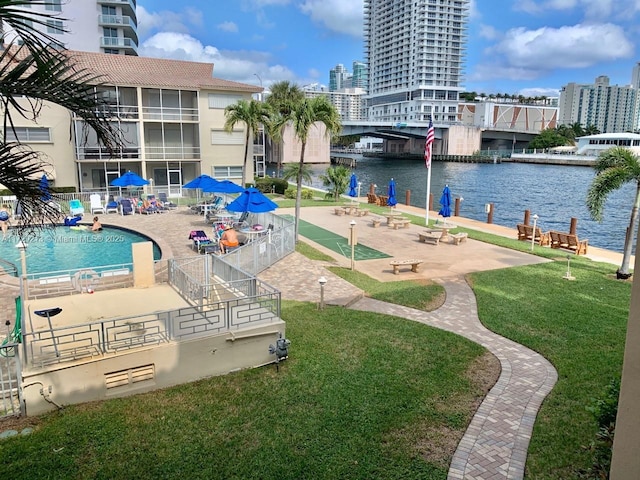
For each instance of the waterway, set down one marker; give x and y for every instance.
(554, 193)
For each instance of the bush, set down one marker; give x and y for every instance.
(269, 184)
(290, 193)
(305, 195)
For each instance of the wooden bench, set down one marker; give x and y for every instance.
(522, 232)
(568, 241)
(430, 237)
(396, 264)
(525, 232)
(400, 222)
(457, 238)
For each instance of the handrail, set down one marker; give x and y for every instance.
(9, 268)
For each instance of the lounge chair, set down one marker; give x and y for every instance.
(111, 206)
(165, 201)
(200, 240)
(126, 207)
(75, 207)
(242, 221)
(96, 204)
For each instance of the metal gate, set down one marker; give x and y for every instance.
(10, 374)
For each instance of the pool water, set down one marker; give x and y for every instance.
(65, 248)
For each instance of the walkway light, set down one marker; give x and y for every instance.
(322, 281)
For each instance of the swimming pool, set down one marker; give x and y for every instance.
(63, 248)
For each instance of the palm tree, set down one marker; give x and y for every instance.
(304, 115)
(253, 114)
(282, 99)
(337, 179)
(614, 168)
(291, 170)
(41, 73)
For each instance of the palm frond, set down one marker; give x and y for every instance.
(602, 185)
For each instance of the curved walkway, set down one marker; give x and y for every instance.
(496, 441)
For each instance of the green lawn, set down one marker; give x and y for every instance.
(362, 396)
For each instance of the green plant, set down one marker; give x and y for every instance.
(271, 185)
(337, 179)
(307, 194)
(290, 193)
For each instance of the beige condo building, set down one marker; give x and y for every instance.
(170, 113)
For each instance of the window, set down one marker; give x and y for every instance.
(222, 101)
(55, 26)
(28, 134)
(227, 172)
(220, 137)
(53, 5)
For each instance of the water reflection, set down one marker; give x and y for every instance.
(554, 193)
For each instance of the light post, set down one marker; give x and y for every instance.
(352, 241)
(23, 264)
(533, 235)
(322, 281)
(568, 276)
(359, 187)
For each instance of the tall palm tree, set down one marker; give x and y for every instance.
(614, 168)
(304, 116)
(40, 72)
(291, 171)
(282, 99)
(253, 114)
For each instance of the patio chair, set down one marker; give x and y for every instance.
(126, 207)
(165, 201)
(111, 206)
(96, 204)
(75, 207)
(199, 239)
(157, 204)
(242, 221)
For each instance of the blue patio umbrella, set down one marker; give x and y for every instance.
(445, 201)
(353, 185)
(44, 189)
(391, 192)
(222, 186)
(252, 200)
(200, 181)
(129, 179)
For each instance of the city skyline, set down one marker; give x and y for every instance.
(530, 48)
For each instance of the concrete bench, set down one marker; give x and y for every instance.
(430, 237)
(340, 211)
(457, 238)
(375, 222)
(400, 222)
(363, 212)
(396, 264)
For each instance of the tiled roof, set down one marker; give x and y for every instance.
(126, 70)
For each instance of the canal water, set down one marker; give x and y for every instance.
(554, 193)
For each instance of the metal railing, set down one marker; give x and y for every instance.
(10, 375)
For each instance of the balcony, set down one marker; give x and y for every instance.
(102, 153)
(169, 152)
(128, 6)
(128, 25)
(126, 44)
(170, 114)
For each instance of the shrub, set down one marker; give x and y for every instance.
(269, 184)
(290, 193)
(305, 195)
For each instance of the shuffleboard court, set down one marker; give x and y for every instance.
(335, 242)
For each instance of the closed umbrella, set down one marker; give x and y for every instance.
(353, 185)
(44, 189)
(391, 192)
(252, 200)
(445, 201)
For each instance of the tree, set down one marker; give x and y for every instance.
(303, 117)
(337, 179)
(548, 138)
(614, 168)
(291, 170)
(253, 114)
(282, 100)
(35, 72)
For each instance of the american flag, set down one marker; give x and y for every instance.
(428, 146)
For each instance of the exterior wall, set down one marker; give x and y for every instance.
(170, 364)
(317, 150)
(508, 116)
(460, 140)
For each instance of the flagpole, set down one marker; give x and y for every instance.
(426, 218)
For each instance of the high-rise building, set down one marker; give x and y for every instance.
(338, 76)
(106, 26)
(360, 76)
(415, 51)
(610, 108)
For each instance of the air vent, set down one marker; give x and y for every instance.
(129, 377)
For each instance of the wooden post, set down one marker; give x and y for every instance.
(456, 208)
(371, 189)
(573, 226)
(527, 215)
(490, 214)
(407, 197)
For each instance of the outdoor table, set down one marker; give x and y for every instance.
(444, 227)
(391, 216)
(351, 208)
(252, 234)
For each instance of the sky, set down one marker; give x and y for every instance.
(522, 47)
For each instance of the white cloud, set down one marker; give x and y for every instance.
(169, 21)
(489, 32)
(599, 10)
(240, 66)
(525, 54)
(337, 15)
(227, 27)
(540, 92)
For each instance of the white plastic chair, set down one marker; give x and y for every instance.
(96, 204)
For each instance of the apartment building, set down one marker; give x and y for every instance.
(170, 114)
(610, 108)
(349, 102)
(105, 26)
(415, 51)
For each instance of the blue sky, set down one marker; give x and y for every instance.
(522, 47)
